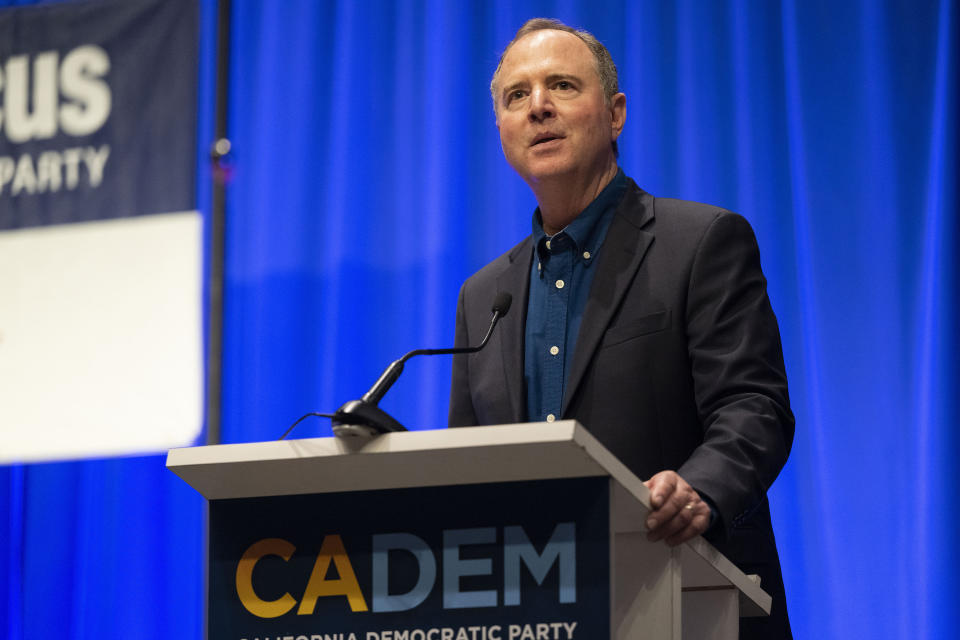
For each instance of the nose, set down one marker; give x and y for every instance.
(541, 105)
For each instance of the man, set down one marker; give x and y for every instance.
(645, 319)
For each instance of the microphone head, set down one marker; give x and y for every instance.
(501, 304)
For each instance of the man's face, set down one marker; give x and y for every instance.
(551, 112)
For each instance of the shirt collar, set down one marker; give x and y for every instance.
(587, 230)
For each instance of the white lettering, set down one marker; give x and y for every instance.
(95, 159)
(6, 171)
(30, 108)
(53, 170)
(479, 632)
(71, 158)
(48, 171)
(21, 125)
(80, 81)
(24, 178)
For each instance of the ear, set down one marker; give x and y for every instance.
(618, 115)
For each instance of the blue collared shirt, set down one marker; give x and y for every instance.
(560, 278)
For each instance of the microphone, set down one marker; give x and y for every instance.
(364, 417)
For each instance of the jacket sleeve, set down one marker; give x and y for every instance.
(738, 373)
(461, 404)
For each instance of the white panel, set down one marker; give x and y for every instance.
(100, 338)
(710, 614)
(647, 583)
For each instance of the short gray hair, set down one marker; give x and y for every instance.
(602, 59)
(606, 69)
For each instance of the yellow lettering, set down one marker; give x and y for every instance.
(345, 585)
(250, 600)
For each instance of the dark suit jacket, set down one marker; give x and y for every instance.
(678, 364)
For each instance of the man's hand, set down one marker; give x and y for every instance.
(678, 512)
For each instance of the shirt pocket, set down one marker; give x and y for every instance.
(636, 327)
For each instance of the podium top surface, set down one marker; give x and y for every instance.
(469, 455)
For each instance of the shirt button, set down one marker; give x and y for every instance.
(559, 284)
(554, 350)
(586, 255)
(551, 417)
(548, 244)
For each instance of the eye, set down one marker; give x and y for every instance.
(564, 85)
(514, 95)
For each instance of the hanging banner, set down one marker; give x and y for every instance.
(100, 240)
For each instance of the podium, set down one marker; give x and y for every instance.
(509, 532)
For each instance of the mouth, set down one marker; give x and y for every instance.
(544, 138)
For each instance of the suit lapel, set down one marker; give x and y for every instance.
(516, 281)
(622, 252)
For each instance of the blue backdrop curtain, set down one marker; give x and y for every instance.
(368, 183)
